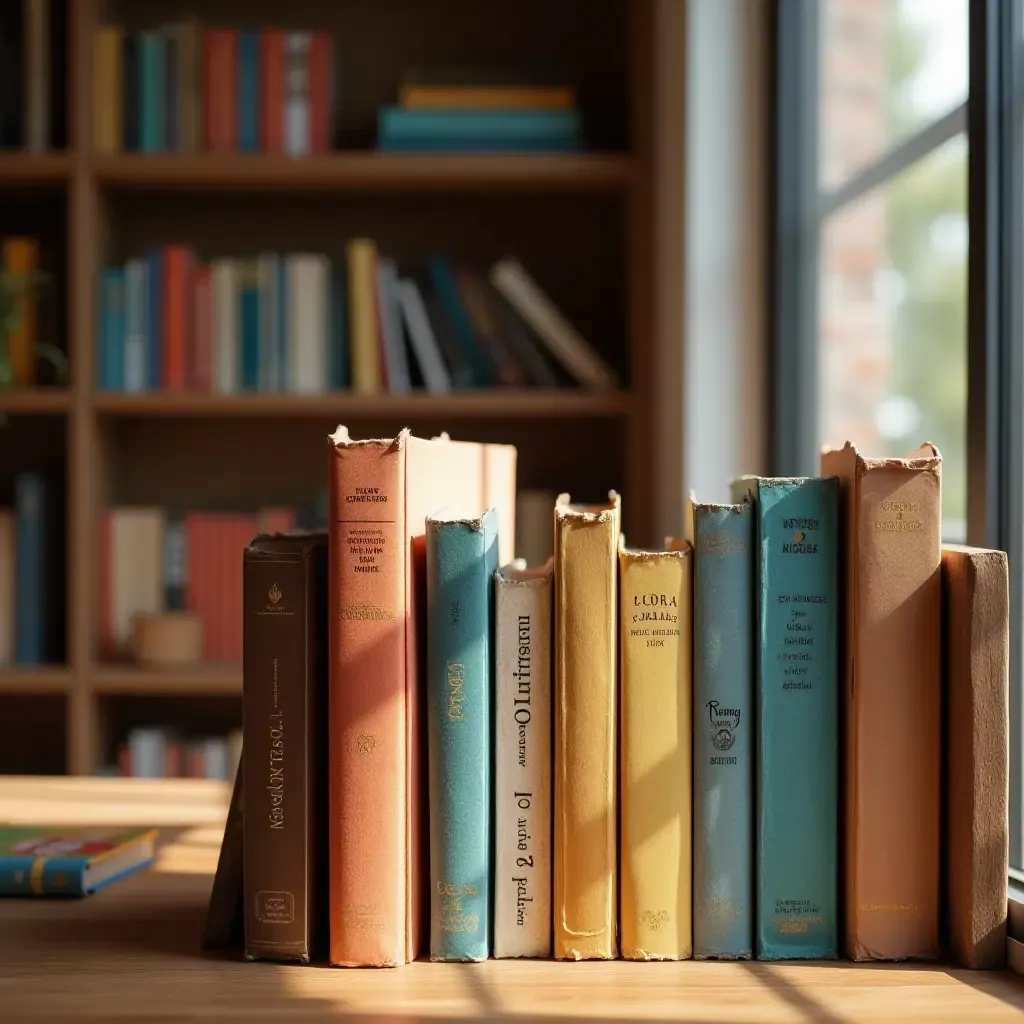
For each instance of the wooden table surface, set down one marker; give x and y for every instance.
(130, 953)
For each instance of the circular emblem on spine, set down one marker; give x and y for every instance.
(724, 722)
(365, 743)
(723, 739)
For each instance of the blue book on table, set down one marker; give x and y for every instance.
(462, 557)
(247, 96)
(152, 137)
(111, 364)
(723, 730)
(31, 517)
(798, 716)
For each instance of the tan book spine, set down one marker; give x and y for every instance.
(367, 746)
(977, 639)
(586, 634)
(37, 75)
(891, 681)
(656, 763)
(107, 88)
(363, 321)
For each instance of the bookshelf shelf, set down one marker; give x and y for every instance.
(203, 679)
(34, 169)
(546, 404)
(39, 401)
(369, 171)
(45, 679)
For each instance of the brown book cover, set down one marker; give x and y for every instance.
(976, 633)
(891, 678)
(284, 704)
(224, 928)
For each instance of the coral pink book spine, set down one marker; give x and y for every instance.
(367, 702)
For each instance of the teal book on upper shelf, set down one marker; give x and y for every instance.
(37, 861)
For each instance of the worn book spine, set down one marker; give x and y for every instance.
(891, 685)
(977, 643)
(656, 755)
(586, 672)
(284, 691)
(462, 556)
(364, 333)
(522, 769)
(368, 748)
(723, 736)
(798, 717)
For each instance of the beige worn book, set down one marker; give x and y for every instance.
(655, 590)
(586, 634)
(137, 569)
(522, 763)
(977, 660)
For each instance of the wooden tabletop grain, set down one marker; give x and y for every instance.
(131, 953)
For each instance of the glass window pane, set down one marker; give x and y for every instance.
(888, 68)
(893, 307)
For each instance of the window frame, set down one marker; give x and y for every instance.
(993, 118)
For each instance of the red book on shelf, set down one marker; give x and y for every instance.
(173, 760)
(219, 47)
(177, 264)
(107, 646)
(201, 361)
(124, 761)
(272, 90)
(320, 59)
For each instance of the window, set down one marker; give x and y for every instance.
(898, 290)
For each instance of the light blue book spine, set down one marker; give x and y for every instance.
(30, 569)
(462, 556)
(723, 732)
(30, 875)
(136, 356)
(798, 755)
(247, 95)
(151, 84)
(112, 329)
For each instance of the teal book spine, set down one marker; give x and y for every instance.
(46, 876)
(723, 737)
(247, 101)
(462, 557)
(798, 726)
(151, 83)
(249, 319)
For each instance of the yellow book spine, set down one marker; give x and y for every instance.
(107, 88)
(21, 257)
(363, 322)
(586, 634)
(490, 97)
(655, 591)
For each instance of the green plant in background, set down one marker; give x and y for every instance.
(13, 289)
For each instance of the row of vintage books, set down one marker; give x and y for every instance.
(623, 752)
(305, 324)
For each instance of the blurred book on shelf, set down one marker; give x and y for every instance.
(159, 753)
(187, 88)
(303, 324)
(29, 43)
(483, 110)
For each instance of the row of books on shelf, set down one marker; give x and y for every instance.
(187, 88)
(26, 94)
(301, 323)
(691, 801)
(154, 560)
(157, 753)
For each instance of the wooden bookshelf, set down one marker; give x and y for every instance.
(580, 222)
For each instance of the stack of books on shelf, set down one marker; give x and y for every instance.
(154, 561)
(303, 324)
(26, 97)
(455, 110)
(699, 698)
(27, 564)
(184, 88)
(161, 754)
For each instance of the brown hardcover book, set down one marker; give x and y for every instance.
(284, 705)
(224, 928)
(977, 642)
(891, 679)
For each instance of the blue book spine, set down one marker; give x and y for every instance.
(797, 777)
(462, 556)
(155, 324)
(247, 97)
(151, 88)
(31, 875)
(723, 740)
(283, 355)
(30, 569)
(443, 280)
(270, 370)
(479, 129)
(249, 322)
(391, 143)
(112, 329)
(338, 351)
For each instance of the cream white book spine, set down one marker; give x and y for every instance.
(522, 783)
(307, 276)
